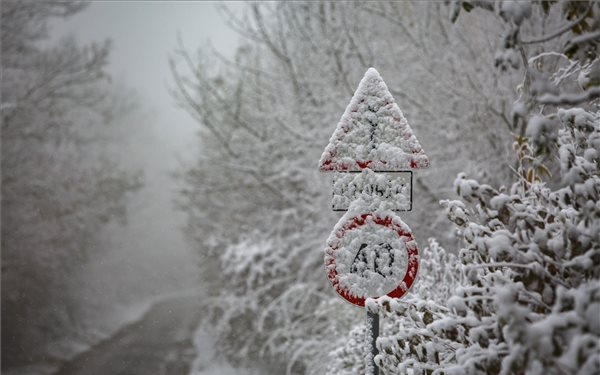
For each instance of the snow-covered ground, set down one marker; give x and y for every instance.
(207, 361)
(67, 349)
(100, 329)
(64, 350)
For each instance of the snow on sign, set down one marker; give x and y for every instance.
(373, 136)
(394, 188)
(371, 255)
(371, 251)
(373, 133)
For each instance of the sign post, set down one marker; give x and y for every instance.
(371, 252)
(372, 332)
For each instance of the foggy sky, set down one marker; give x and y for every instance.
(159, 135)
(144, 33)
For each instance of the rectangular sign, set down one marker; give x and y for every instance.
(393, 187)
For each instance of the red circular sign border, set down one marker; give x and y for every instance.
(412, 251)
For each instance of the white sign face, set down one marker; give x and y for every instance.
(393, 187)
(373, 133)
(371, 255)
(372, 260)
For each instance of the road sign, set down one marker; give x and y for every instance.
(371, 255)
(395, 188)
(373, 133)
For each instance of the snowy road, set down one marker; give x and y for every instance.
(159, 343)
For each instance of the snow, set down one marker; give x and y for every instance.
(515, 10)
(207, 361)
(542, 130)
(570, 98)
(120, 316)
(373, 133)
(507, 58)
(372, 306)
(371, 261)
(457, 304)
(589, 75)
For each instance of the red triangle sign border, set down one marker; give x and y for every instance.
(373, 133)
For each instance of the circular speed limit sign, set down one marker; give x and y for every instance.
(371, 255)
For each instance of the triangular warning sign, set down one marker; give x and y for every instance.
(373, 133)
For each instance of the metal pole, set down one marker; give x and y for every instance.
(372, 332)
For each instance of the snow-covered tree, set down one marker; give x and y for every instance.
(57, 193)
